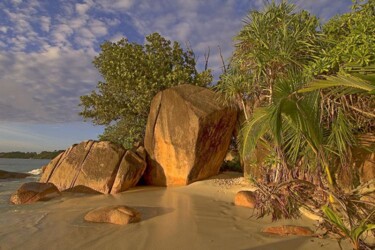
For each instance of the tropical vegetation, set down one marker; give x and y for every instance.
(306, 93)
(31, 155)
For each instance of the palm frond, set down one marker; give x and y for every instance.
(341, 137)
(340, 80)
(253, 130)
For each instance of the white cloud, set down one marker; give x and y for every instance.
(45, 23)
(3, 29)
(116, 37)
(114, 6)
(82, 8)
(98, 28)
(16, 2)
(45, 86)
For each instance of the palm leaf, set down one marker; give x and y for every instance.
(335, 219)
(341, 137)
(253, 130)
(356, 233)
(339, 81)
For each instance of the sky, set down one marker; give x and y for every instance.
(47, 48)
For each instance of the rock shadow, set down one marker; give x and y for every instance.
(152, 212)
(82, 190)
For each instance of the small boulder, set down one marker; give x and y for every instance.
(289, 230)
(120, 215)
(34, 191)
(245, 199)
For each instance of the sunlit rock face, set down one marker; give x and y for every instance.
(187, 135)
(96, 165)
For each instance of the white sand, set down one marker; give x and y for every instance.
(199, 216)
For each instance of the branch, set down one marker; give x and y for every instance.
(206, 57)
(222, 60)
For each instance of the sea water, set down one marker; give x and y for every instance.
(22, 165)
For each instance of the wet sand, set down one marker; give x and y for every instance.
(198, 216)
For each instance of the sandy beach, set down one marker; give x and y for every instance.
(198, 216)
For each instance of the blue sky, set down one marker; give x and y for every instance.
(47, 46)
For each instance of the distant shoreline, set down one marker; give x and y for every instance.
(30, 155)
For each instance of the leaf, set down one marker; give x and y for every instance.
(338, 81)
(335, 219)
(356, 233)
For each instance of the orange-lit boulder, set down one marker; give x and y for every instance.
(245, 199)
(34, 191)
(120, 215)
(188, 133)
(289, 230)
(130, 171)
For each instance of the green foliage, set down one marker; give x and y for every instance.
(133, 74)
(349, 40)
(235, 87)
(275, 41)
(302, 120)
(353, 232)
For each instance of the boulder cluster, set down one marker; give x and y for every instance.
(187, 137)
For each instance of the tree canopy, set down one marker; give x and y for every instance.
(133, 74)
(271, 43)
(349, 40)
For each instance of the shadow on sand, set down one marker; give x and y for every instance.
(151, 212)
(286, 244)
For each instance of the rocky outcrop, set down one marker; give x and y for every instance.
(245, 199)
(95, 165)
(289, 230)
(120, 215)
(12, 175)
(34, 191)
(187, 135)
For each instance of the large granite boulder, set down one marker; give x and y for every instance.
(94, 165)
(187, 135)
(34, 191)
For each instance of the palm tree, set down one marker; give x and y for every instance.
(273, 42)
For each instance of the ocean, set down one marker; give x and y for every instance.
(22, 165)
